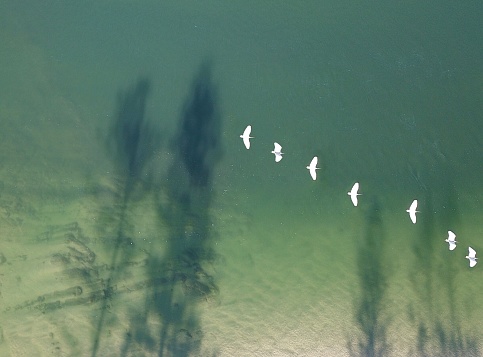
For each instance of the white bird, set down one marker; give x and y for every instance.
(246, 136)
(412, 211)
(471, 257)
(313, 167)
(451, 240)
(353, 193)
(278, 152)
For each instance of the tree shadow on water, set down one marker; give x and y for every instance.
(435, 316)
(373, 280)
(131, 143)
(183, 275)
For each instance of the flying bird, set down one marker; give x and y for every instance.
(412, 211)
(313, 167)
(246, 136)
(278, 152)
(451, 240)
(353, 193)
(471, 257)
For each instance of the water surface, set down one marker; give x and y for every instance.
(135, 223)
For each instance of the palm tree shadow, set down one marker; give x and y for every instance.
(183, 275)
(373, 282)
(131, 143)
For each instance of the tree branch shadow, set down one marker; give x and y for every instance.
(131, 143)
(373, 283)
(436, 317)
(184, 273)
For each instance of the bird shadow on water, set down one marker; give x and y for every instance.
(435, 312)
(373, 282)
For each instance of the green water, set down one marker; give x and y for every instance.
(133, 221)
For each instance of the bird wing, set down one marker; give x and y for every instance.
(355, 188)
(246, 141)
(412, 215)
(354, 198)
(313, 163)
(471, 252)
(414, 206)
(313, 172)
(278, 148)
(246, 136)
(451, 236)
(247, 131)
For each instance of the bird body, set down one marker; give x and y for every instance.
(277, 151)
(313, 167)
(412, 211)
(353, 194)
(246, 136)
(451, 240)
(471, 257)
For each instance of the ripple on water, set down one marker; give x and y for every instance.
(408, 121)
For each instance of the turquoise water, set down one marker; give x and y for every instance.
(135, 223)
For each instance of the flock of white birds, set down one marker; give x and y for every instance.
(353, 193)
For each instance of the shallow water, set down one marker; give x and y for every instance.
(134, 222)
